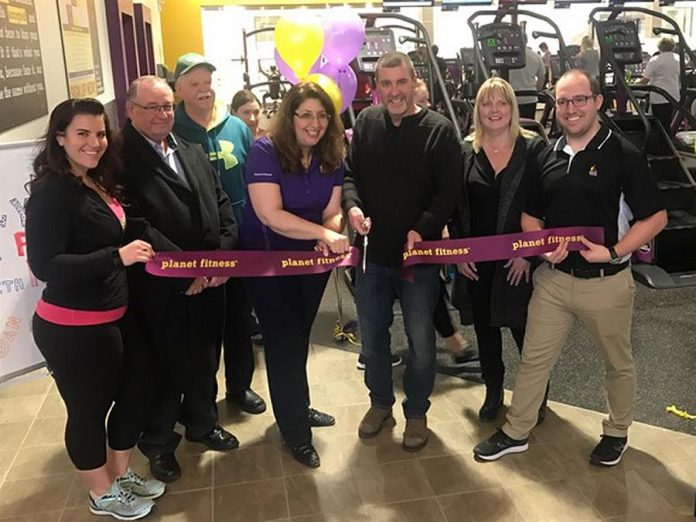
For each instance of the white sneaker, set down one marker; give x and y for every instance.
(141, 486)
(121, 504)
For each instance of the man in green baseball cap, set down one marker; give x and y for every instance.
(226, 139)
(189, 61)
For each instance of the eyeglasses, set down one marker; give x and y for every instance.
(154, 109)
(577, 101)
(307, 116)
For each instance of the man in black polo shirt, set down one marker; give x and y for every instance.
(590, 177)
(402, 183)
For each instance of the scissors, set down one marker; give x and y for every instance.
(366, 227)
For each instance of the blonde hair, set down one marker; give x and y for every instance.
(586, 43)
(490, 87)
(665, 45)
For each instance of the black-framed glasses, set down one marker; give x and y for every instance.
(308, 116)
(577, 101)
(153, 109)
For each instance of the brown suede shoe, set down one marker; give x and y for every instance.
(374, 420)
(416, 434)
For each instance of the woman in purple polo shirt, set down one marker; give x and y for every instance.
(294, 177)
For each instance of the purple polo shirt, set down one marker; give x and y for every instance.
(305, 195)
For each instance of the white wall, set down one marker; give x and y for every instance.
(155, 8)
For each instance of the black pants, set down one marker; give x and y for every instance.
(441, 317)
(663, 112)
(286, 308)
(238, 350)
(489, 338)
(183, 338)
(93, 372)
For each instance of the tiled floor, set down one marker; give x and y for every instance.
(360, 480)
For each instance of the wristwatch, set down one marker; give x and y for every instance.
(615, 258)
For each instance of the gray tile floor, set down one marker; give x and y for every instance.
(373, 480)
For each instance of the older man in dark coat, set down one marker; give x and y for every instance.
(175, 195)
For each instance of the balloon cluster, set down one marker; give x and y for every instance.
(320, 50)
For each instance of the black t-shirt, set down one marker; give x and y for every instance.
(483, 187)
(486, 191)
(607, 184)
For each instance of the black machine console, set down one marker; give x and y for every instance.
(502, 46)
(378, 41)
(620, 39)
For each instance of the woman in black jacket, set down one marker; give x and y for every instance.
(496, 293)
(75, 234)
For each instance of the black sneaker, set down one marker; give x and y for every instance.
(395, 360)
(319, 419)
(609, 451)
(499, 445)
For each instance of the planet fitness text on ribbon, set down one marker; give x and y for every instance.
(257, 263)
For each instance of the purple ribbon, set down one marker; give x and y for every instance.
(247, 263)
(262, 263)
(504, 246)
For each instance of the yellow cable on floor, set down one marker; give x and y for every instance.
(680, 413)
(340, 335)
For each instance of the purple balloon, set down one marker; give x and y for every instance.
(344, 35)
(287, 71)
(345, 78)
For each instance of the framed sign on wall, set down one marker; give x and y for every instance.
(22, 85)
(78, 24)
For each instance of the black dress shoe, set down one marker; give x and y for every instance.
(217, 439)
(164, 467)
(306, 454)
(249, 401)
(319, 419)
(491, 405)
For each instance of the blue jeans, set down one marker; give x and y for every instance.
(375, 292)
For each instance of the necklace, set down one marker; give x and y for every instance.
(498, 148)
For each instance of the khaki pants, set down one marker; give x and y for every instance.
(605, 307)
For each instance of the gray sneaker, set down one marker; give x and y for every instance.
(141, 486)
(121, 504)
(374, 420)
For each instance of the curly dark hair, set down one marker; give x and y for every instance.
(52, 161)
(282, 132)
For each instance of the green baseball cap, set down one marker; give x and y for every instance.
(188, 61)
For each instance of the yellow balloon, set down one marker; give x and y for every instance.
(329, 87)
(299, 39)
